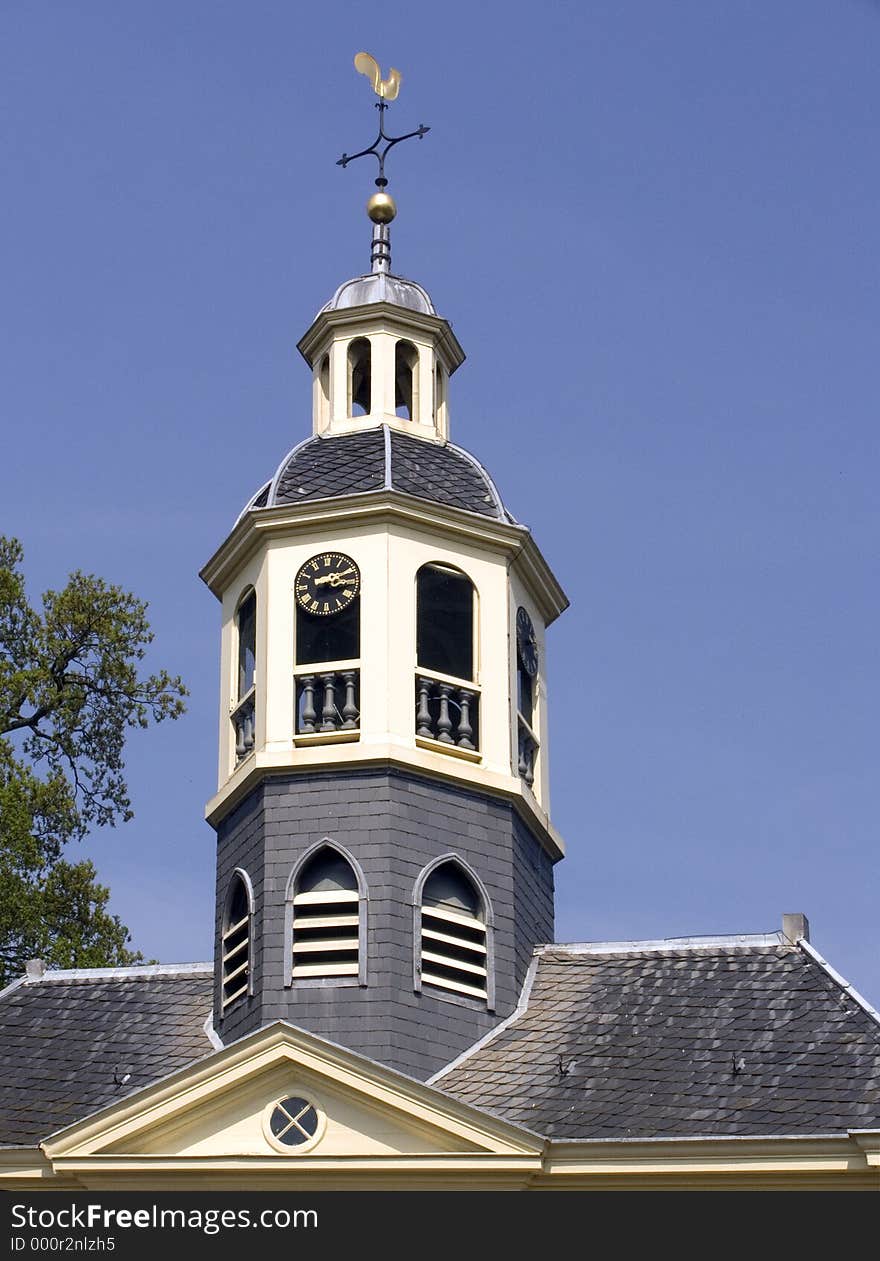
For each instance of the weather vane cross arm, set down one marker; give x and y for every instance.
(387, 90)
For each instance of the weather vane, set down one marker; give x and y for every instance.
(381, 207)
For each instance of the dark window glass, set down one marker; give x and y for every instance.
(525, 694)
(445, 634)
(247, 643)
(294, 1121)
(336, 638)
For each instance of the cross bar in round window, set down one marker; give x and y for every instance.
(293, 1124)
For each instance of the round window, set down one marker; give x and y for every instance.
(293, 1122)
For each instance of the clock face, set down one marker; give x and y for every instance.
(526, 643)
(327, 584)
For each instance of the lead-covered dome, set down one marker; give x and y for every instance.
(380, 287)
(379, 459)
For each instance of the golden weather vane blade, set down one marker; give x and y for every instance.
(386, 89)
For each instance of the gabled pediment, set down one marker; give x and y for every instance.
(221, 1107)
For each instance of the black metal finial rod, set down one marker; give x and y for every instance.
(379, 152)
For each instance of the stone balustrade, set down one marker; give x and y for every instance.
(447, 712)
(243, 725)
(528, 751)
(327, 701)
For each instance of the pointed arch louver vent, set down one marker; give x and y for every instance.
(326, 919)
(236, 943)
(454, 947)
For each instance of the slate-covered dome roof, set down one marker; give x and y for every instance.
(380, 287)
(382, 459)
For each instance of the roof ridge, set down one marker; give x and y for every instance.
(748, 940)
(839, 980)
(276, 476)
(481, 468)
(132, 972)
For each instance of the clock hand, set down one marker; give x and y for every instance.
(335, 579)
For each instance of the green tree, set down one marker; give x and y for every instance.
(70, 689)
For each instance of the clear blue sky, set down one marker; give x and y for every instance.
(655, 228)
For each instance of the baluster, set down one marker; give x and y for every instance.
(465, 730)
(349, 710)
(423, 714)
(444, 722)
(328, 713)
(307, 724)
(248, 725)
(530, 761)
(239, 737)
(523, 761)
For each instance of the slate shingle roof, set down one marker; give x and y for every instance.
(709, 1041)
(383, 458)
(61, 1040)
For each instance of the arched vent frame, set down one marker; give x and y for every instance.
(237, 943)
(470, 938)
(243, 709)
(337, 908)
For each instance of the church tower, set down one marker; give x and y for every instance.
(384, 846)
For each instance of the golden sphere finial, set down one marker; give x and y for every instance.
(381, 207)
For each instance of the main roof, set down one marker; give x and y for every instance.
(373, 460)
(68, 1040)
(709, 1040)
(636, 1041)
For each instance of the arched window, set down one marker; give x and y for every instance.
(244, 712)
(527, 660)
(445, 621)
(447, 707)
(246, 623)
(453, 931)
(327, 899)
(236, 940)
(359, 378)
(406, 380)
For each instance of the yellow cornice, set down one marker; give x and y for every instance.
(389, 507)
(313, 342)
(262, 765)
(777, 1154)
(783, 1163)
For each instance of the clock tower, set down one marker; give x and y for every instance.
(384, 845)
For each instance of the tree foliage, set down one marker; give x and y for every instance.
(70, 689)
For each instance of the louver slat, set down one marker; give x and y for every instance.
(326, 941)
(454, 959)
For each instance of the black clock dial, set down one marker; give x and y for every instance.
(327, 584)
(526, 643)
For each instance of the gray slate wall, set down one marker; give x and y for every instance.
(393, 823)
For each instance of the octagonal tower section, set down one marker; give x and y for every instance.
(384, 845)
